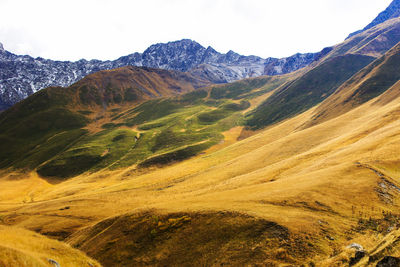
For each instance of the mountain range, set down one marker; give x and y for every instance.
(142, 166)
(107, 99)
(21, 76)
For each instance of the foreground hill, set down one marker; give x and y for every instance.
(19, 247)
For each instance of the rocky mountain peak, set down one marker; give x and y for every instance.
(1, 48)
(232, 56)
(391, 12)
(179, 55)
(210, 55)
(210, 51)
(182, 46)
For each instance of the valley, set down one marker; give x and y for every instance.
(140, 166)
(316, 183)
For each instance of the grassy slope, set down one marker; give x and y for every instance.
(39, 123)
(245, 88)
(320, 188)
(367, 84)
(178, 239)
(52, 120)
(374, 42)
(323, 183)
(326, 75)
(95, 124)
(134, 84)
(307, 91)
(170, 130)
(20, 247)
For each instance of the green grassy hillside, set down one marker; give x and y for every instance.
(53, 120)
(244, 89)
(97, 123)
(306, 91)
(369, 83)
(155, 132)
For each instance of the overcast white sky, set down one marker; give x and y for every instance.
(108, 29)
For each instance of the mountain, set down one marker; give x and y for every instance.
(369, 83)
(115, 118)
(179, 181)
(138, 166)
(137, 97)
(307, 91)
(134, 85)
(21, 76)
(65, 115)
(392, 11)
(373, 42)
(323, 77)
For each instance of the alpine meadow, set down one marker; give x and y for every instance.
(184, 156)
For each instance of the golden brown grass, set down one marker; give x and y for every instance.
(356, 90)
(319, 181)
(190, 239)
(19, 247)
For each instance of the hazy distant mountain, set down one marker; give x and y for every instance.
(392, 11)
(20, 76)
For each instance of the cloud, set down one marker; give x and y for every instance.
(70, 30)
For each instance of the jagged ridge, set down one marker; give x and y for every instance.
(392, 11)
(21, 76)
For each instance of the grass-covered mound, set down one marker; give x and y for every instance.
(20, 247)
(191, 239)
(99, 151)
(36, 138)
(176, 129)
